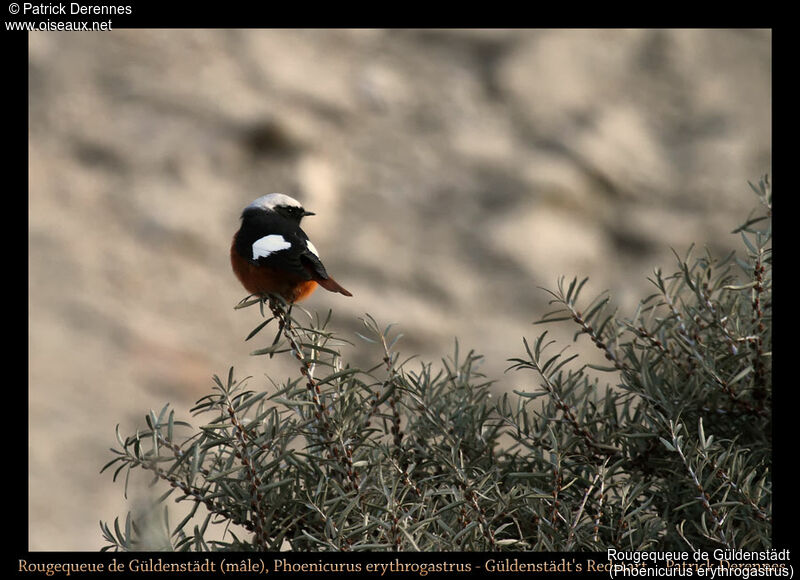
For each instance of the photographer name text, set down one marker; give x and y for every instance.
(72, 9)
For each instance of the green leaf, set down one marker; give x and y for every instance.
(258, 328)
(667, 444)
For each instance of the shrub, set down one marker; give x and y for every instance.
(667, 446)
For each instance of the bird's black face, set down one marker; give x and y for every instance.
(292, 212)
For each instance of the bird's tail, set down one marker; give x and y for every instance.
(332, 285)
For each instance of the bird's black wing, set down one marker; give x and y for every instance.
(298, 259)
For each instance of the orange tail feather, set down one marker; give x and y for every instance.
(332, 285)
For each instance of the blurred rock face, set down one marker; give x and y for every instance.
(452, 173)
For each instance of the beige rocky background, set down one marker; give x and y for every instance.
(452, 172)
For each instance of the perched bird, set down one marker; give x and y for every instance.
(270, 254)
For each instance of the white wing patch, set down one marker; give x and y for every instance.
(311, 247)
(267, 245)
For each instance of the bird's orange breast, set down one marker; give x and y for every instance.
(264, 280)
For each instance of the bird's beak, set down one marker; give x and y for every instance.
(305, 213)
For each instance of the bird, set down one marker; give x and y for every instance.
(271, 254)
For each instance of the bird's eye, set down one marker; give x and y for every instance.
(293, 212)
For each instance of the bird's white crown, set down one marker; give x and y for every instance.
(273, 200)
